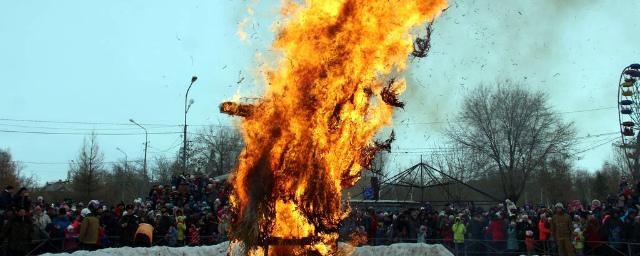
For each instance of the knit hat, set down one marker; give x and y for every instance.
(85, 212)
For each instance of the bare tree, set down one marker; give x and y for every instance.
(163, 169)
(216, 150)
(11, 172)
(126, 181)
(513, 128)
(461, 164)
(87, 170)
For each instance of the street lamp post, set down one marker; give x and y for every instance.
(126, 161)
(146, 143)
(187, 106)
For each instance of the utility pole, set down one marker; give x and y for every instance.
(126, 161)
(146, 143)
(184, 136)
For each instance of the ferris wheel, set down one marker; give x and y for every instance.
(629, 116)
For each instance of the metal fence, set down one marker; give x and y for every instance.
(519, 247)
(69, 245)
(469, 247)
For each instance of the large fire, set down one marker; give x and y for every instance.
(311, 134)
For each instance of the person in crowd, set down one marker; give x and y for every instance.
(163, 225)
(144, 235)
(194, 235)
(422, 234)
(6, 199)
(21, 199)
(612, 230)
(128, 226)
(172, 236)
(530, 242)
(497, 231)
(181, 228)
(544, 232)
(561, 227)
(476, 230)
(578, 241)
(18, 232)
(459, 230)
(512, 237)
(89, 230)
(41, 222)
(371, 225)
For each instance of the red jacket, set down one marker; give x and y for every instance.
(544, 230)
(496, 229)
(194, 236)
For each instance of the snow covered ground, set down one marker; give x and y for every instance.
(222, 248)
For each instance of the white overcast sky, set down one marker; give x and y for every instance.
(105, 62)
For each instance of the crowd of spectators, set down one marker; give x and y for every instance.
(192, 210)
(609, 227)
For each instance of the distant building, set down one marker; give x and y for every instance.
(57, 191)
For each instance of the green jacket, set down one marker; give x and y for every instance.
(89, 230)
(181, 228)
(458, 232)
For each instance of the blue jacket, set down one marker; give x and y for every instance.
(61, 222)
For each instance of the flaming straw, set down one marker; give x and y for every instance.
(312, 132)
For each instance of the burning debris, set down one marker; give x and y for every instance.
(236, 109)
(422, 45)
(390, 94)
(311, 134)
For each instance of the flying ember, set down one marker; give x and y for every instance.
(333, 87)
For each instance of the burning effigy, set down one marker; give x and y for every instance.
(335, 85)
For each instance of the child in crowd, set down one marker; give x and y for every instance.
(578, 241)
(172, 236)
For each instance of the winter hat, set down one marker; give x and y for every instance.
(85, 212)
(559, 205)
(577, 230)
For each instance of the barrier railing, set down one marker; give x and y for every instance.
(72, 244)
(468, 247)
(501, 247)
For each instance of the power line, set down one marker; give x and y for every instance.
(103, 123)
(69, 162)
(594, 147)
(180, 125)
(79, 133)
(561, 113)
(78, 129)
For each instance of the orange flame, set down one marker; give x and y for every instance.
(322, 107)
